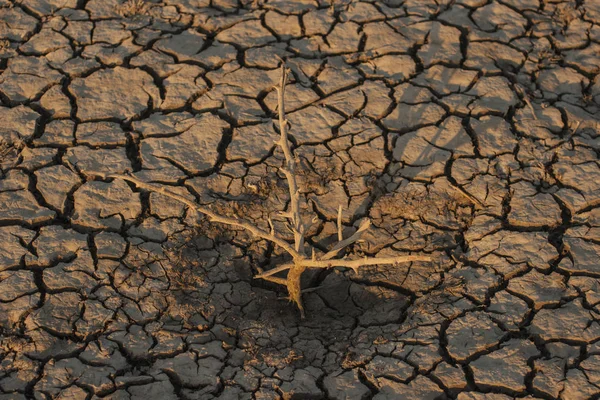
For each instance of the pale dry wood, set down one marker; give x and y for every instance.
(297, 227)
(365, 224)
(214, 217)
(468, 196)
(290, 166)
(362, 262)
(352, 264)
(300, 262)
(273, 271)
(274, 279)
(339, 224)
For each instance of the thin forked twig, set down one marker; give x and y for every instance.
(339, 224)
(355, 264)
(290, 166)
(213, 217)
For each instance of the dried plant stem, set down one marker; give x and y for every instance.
(339, 224)
(290, 166)
(300, 262)
(352, 264)
(273, 271)
(339, 246)
(212, 216)
(295, 272)
(362, 262)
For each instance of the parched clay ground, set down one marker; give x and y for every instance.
(465, 130)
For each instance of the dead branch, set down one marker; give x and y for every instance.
(212, 216)
(352, 264)
(339, 224)
(274, 271)
(362, 262)
(365, 224)
(300, 263)
(290, 166)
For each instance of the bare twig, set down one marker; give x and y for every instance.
(300, 262)
(274, 279)
(274, 271)
(576, 127)
(290, 166)
(362, 262)
(339, 224)
(347, 242)
(353, 264)
(208, 212)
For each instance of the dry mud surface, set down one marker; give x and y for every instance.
(466, 130)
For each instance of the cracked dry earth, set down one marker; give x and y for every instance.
(466, 130)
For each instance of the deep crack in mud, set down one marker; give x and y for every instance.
(465, 130)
